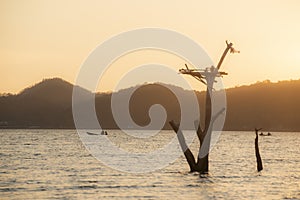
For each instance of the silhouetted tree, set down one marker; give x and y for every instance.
(203, 133)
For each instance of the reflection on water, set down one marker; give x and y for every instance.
(47, 164)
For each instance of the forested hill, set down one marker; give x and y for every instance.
(272, 106)
(48, 104)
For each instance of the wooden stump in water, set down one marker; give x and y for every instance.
(257, 154)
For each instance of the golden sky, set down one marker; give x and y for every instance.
(43, 39)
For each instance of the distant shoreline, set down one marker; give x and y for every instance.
(39, 128)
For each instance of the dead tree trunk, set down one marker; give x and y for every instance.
(202, 161)
(204, 134)
(187, 152)
(257, 154)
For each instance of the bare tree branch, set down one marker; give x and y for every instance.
(187, 152)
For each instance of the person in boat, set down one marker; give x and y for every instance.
(269, 133)
(103, 132)
(261, 133)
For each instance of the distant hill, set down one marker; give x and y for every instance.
(272, 106)
(45, 105)
(48, 104)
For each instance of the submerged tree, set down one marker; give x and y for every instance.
(257, 154)
(206, 77)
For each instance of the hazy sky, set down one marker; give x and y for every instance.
(43, 39)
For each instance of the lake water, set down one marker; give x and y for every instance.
(54, 164)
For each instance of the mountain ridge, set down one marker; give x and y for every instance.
(48, 104)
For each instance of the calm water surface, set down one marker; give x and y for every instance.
(54, 164)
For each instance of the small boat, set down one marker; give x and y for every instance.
(102, 133)
(90, 133)
(268, 134)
